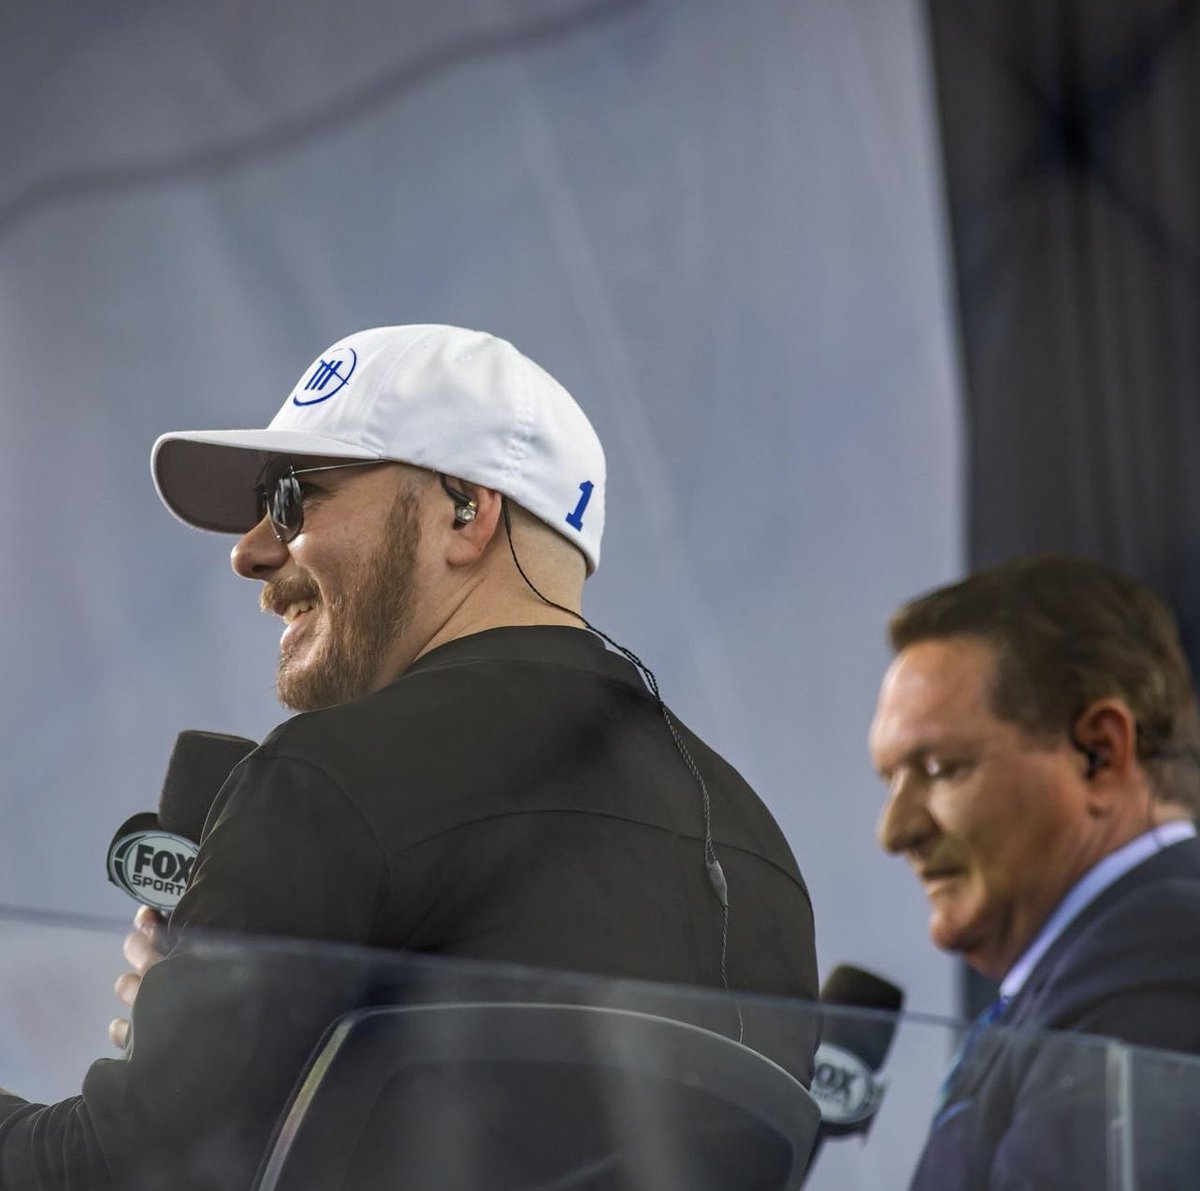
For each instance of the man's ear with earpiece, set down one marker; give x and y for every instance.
(475, 518)
(465, 507)
(1105, 734)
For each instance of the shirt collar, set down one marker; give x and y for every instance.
(558, 645)
(1086, 890)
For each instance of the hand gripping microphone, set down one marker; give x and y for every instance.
(853, 1047)
(151, 856)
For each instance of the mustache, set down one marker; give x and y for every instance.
(279, 593)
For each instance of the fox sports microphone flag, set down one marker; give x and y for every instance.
(150, 864)
(151, 856)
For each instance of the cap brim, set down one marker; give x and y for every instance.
(207, 478)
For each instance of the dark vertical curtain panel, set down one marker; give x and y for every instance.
(1071, 138)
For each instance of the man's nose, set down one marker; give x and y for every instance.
(258, 553)
(904, 821)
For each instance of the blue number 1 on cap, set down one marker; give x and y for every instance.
(575, 517)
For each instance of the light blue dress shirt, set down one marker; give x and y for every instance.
(1085, 891)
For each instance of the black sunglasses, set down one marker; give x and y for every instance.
(280, 498)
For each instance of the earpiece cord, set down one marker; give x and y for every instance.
(716, 875)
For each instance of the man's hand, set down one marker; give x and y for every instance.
(142, 950)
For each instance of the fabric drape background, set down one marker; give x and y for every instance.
(1072, 173)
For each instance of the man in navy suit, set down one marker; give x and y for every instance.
(1039, 737)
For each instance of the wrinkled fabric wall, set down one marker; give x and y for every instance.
(1072, 178)
(719, 225)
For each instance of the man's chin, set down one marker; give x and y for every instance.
(951, 932)
(318, 682)
(974, 945)
(304, 688)
(294, 698)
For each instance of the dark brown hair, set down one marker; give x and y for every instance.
(1066, 632)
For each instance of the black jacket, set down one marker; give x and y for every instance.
(515, 797)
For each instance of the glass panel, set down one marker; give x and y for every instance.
(1156, 1121)
(279, 1065)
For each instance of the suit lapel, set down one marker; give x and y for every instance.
(1181, 859)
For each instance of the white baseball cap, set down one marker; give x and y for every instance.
(459, 402)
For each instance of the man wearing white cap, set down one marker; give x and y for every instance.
(474, 774)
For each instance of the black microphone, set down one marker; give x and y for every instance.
(151, 855)
(853, 1048)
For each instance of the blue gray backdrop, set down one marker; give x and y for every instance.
(720, 225)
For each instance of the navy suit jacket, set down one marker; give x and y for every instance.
(1035, 1110)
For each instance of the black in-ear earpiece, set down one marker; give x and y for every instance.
(464, 507)
(1095, 762)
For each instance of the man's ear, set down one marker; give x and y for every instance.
(1105, 733)
(474, 515)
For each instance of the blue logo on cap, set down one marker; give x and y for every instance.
(575, 518)
(329, 377)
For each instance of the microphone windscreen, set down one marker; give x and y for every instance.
(866, 1036)
(200, 762)
(848, 985)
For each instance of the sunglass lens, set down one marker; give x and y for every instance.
(286, 508)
